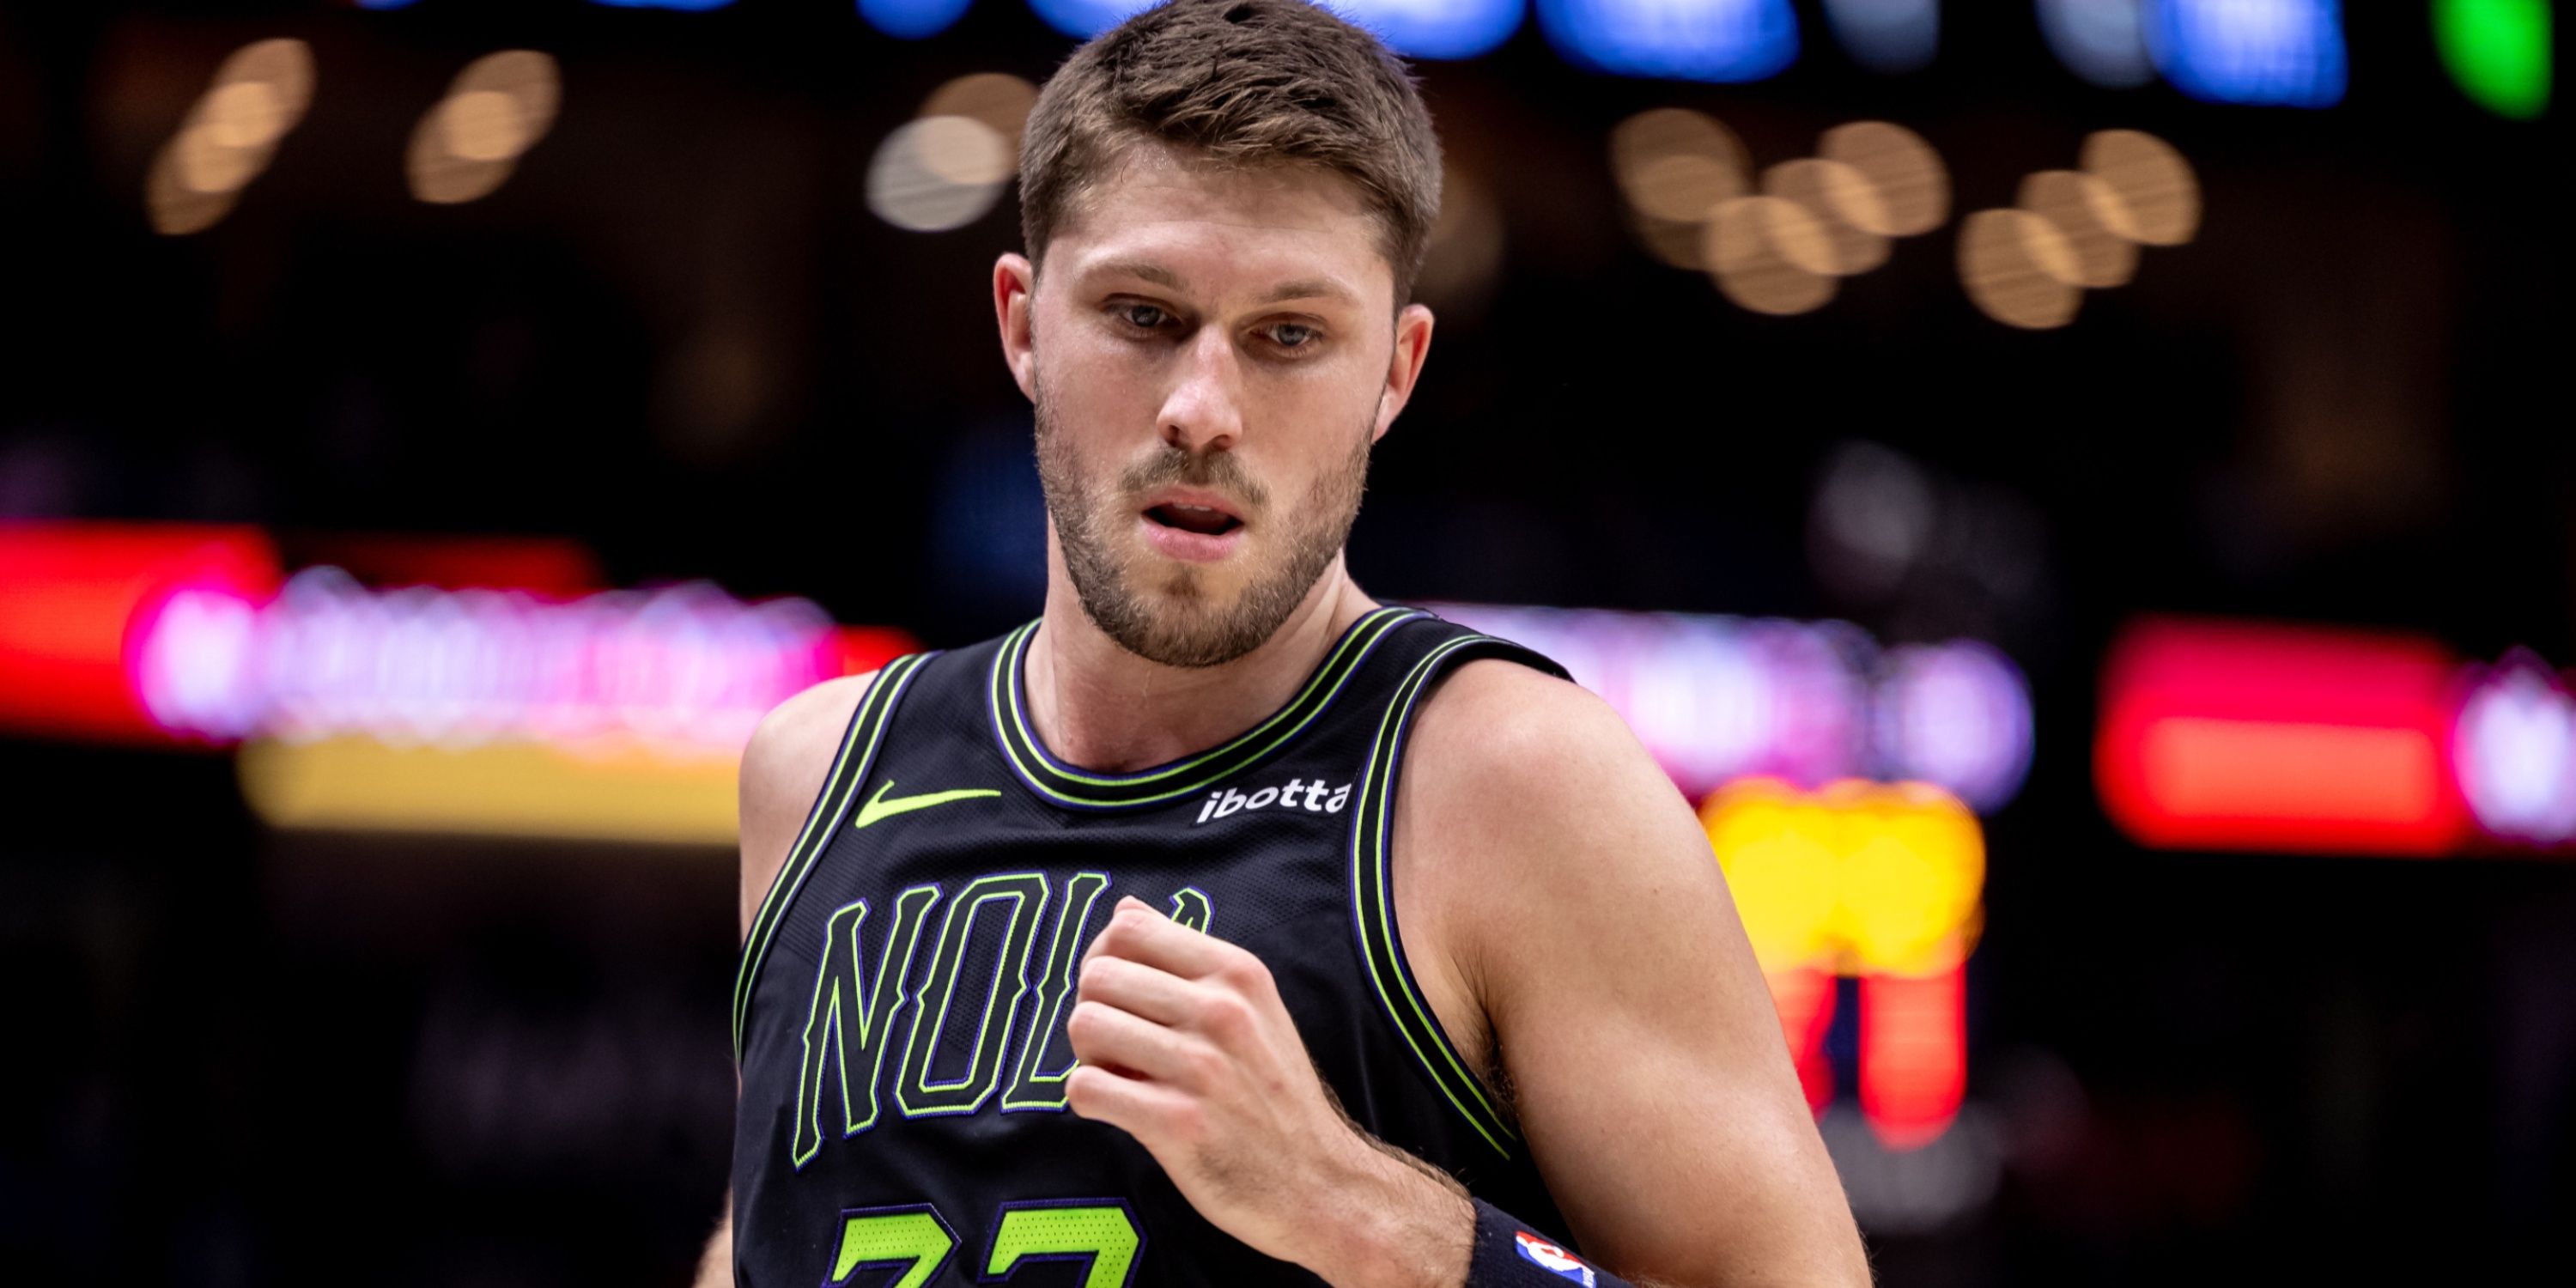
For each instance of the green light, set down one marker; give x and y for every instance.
(2498, 51)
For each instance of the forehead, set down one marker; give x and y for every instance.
(1221, 228)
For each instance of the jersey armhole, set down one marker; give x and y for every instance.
(850, 765)
(1380, 943)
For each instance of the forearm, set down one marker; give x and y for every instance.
(1402, 1223)
(715, 1265)
(1392, 1221)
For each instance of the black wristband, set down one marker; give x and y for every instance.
(1508, 1254)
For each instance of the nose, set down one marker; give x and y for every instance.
(1204, 410)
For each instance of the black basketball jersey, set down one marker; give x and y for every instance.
(899, 1014)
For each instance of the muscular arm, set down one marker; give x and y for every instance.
(1561, 895)
(783, 769)
(1563, 914)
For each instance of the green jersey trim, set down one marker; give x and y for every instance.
(1064, 785)
(849, 769)
(1373, 903)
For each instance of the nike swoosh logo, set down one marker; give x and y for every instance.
(878, 806)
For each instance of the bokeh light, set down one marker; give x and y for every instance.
(912, 19)
(1771, 256)
(2515, 752)
(2103, 41)
(1465, 257)
(2153, 182)
(1447, 29)
(1911, 184)
(467, 144)
(2018, 269)
(2498, 52)
(2286, 53)
(1892, 36)
(1956, 715)
(999, 100)
(1880, 881)
(257, 96)
(1715, 699)
(1676, 165)
(937, 173)
(1701, 40)
(1846, 208)
(1854, 877)
(2093, 220)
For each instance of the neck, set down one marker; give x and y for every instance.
(1102, 708)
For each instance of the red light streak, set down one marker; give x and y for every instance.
(78, 600)
(1805, 999)
(551, 567)
(1913, 1054)
(2244, 736)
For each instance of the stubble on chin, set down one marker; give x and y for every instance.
(1176, 620)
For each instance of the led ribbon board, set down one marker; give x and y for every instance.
(615, 716)
(461, 708)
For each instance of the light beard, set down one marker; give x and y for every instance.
(1176, 622)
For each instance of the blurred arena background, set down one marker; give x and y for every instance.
(2074, 487)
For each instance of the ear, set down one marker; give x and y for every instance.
(1404, 366)
(1015, 285)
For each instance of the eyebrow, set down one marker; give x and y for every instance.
(1304, 288)
(1310, 288)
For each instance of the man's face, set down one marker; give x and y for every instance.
(1211, 354)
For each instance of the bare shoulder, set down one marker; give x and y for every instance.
(1529, 811)
(783, 768)
(1499, 738)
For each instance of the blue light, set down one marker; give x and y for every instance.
(384, 4)
(1887, 35)
(1703, 40)
(1435, 28)
(1414, 28)
(1084, 19)
(2285, 52)
(2103, 41)
(912, 19)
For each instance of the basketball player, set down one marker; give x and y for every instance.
(1224, 926)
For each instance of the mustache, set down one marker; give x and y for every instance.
(1213, 470)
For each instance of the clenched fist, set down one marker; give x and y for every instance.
(1185, 1045)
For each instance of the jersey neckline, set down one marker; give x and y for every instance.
(1063, 785)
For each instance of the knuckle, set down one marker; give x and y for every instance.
(1245, 972)
(1084, 1025)
(1126, 929)
(1206, 1067)
(1227, 1015)
(1082, 1089)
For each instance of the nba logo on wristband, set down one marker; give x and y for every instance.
(1547, 1256)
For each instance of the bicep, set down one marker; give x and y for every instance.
(1645, 1056)
(1658, 1097)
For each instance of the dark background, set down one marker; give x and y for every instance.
(679, 334)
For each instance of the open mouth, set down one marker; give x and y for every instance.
(1204, 520)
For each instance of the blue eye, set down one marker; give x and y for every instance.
(1292, 335)
(1144, 317)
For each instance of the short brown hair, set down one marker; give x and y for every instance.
(1240, 83)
